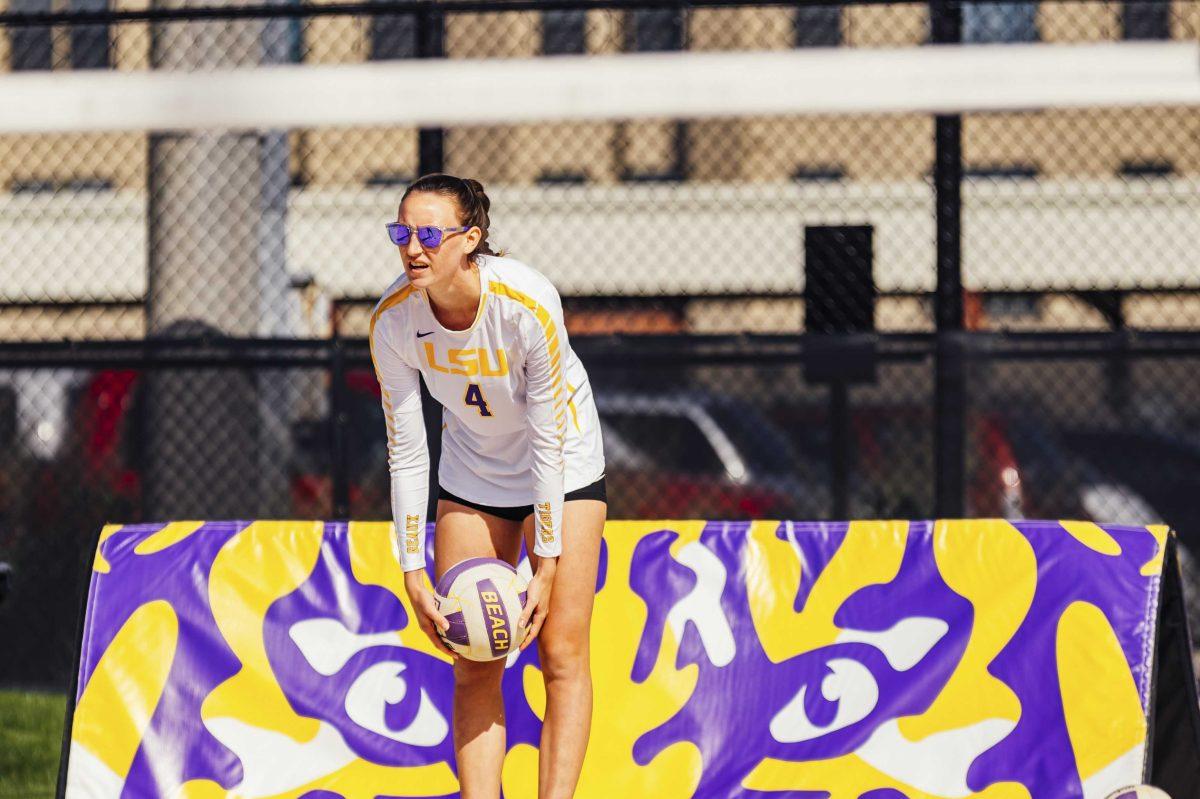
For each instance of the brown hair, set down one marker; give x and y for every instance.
(468, 195)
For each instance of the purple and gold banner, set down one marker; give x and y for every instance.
(869, 660)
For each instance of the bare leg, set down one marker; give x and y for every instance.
(564, 649)
(479, 734)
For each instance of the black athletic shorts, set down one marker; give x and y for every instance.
(517, 514)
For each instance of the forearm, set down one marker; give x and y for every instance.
(547, 466)
(408, 455)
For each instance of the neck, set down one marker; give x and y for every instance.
(456, 303)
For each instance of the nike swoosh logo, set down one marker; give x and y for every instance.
(423, 335)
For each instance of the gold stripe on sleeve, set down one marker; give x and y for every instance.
(390, 301)
(550, 331)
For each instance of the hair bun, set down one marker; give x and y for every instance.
(480, 196)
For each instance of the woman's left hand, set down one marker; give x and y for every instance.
(537, 599)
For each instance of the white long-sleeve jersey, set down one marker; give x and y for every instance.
(520, 426)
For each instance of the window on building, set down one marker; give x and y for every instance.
(295, 40)
(1001, 172)
(1011, 306)
(1147, 169)
(283, 38)
(818, 26)
(654, 30)
(818, 173)
(999, 22)
(393, 36)
(32, 47)
(1146, 20)
(90, 47)
(653, 151)
(564, 32)
(52, 186)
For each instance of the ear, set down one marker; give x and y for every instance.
(471, 240)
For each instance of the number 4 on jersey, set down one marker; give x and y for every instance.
(475, 397)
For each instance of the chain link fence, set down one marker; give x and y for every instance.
(183, 315)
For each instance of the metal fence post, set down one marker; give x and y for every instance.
(431, 43)
(949, 434)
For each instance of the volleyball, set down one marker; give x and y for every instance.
(1139, 792)
(482, 598)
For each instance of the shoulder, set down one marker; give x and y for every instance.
(521, 283)
(393, 299)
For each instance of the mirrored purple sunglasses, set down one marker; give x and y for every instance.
(428, 235)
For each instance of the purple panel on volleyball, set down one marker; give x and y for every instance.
(495, 613)
(457, 633)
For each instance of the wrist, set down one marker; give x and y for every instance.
(415, 581)
(546, 566)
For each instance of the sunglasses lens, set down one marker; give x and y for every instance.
(399, 234)
(429, 236)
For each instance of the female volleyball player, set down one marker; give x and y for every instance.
(521, 456)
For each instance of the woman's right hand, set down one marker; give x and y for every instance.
(424, 605)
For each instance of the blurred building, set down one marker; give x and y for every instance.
(1057, 182)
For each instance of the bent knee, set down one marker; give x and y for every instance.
(472, 673)
(564, 659)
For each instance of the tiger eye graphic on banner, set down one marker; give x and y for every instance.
(731, 660)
